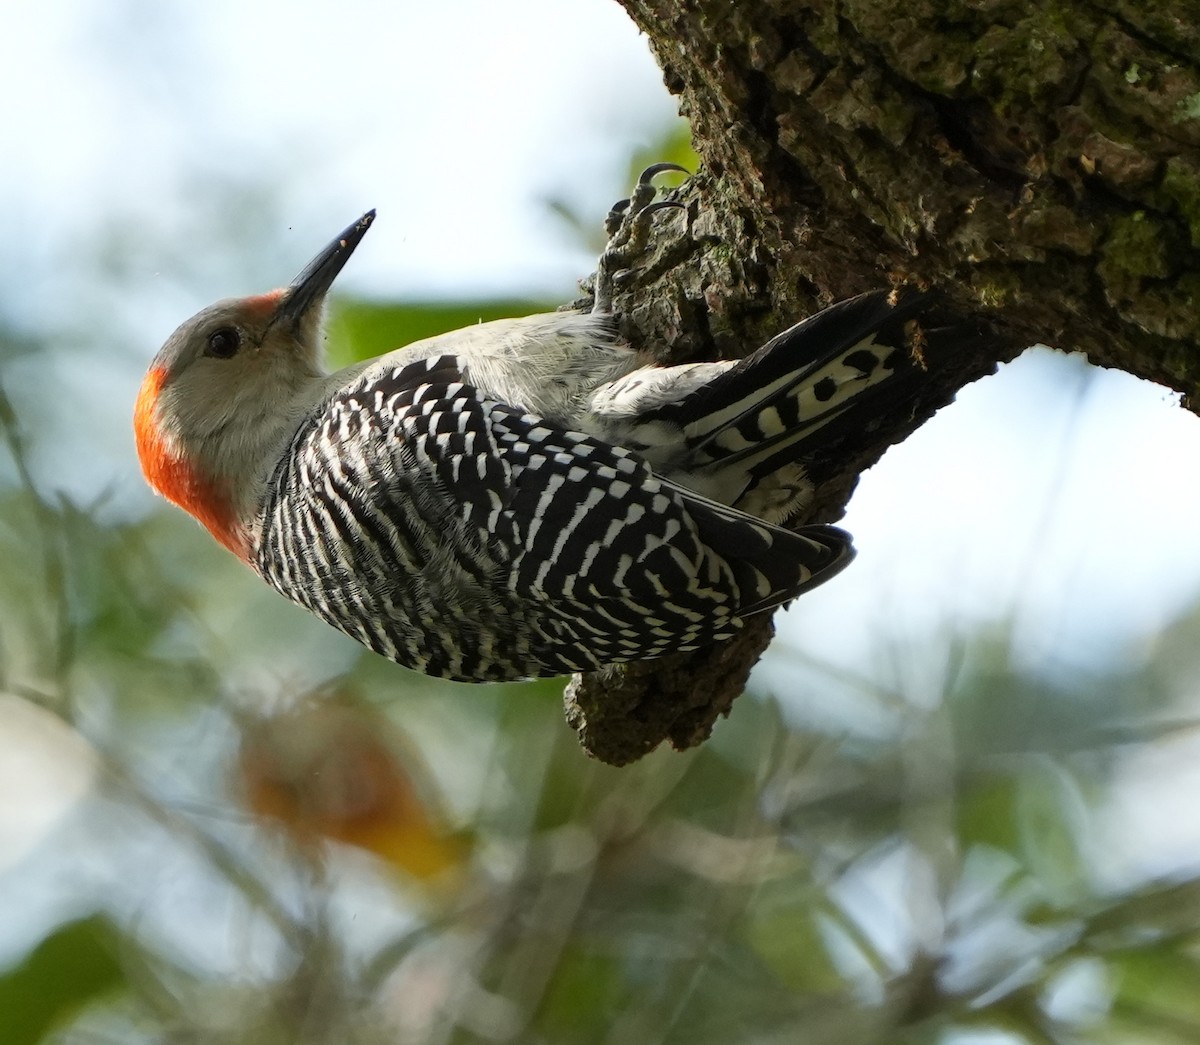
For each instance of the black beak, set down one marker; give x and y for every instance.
(310, 287)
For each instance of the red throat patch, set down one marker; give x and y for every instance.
(168, 473)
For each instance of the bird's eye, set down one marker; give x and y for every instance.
(224, 343)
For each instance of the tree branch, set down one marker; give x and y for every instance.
(1039, 167)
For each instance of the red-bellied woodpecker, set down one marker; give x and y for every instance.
(525, 497)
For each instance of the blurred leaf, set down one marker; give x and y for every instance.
(1172, 908)
(1050, 817)
(674, 146)
(362, 329)
(784, 931)
(999, 710)
(584, 992)
(66, 970)
(987, 812)
(334, 767)
(1157, 984)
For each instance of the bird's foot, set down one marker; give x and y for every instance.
(628, 228)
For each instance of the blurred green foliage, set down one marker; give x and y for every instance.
(70, 967)
(361, 330)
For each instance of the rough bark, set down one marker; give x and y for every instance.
(1038, 164)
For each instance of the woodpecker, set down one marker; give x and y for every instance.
(522, 498)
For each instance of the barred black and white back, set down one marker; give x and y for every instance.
(526, 498)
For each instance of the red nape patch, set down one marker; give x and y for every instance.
(262, 305)
(170, 475)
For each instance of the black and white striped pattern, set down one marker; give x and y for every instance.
(471, 539)
(743, 432)
(762, 411)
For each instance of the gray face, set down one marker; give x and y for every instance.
(281, 321)
(229, 368)
(229, 331)
(230, 377)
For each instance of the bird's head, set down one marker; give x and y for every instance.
(228, 386)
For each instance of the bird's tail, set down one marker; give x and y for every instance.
(802, 392)
(770, 565)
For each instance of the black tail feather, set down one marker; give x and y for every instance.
(770, 565)
(808, 383)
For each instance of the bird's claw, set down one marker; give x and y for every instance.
(655, 169)
(612, 224)
(616, 214)
(628, 228)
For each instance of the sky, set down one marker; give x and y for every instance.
(1050, 494)
(452, 119)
